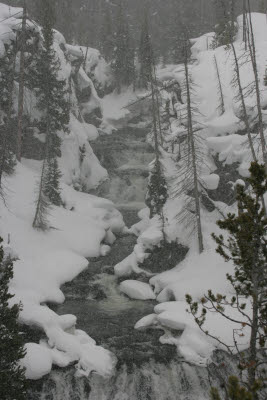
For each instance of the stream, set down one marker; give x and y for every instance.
(146, 369)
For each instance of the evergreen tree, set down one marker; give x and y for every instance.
(157, 191)
(246, 248)
(52, 102)
(225, 29)
(12, 376)
(234, 390)
(52, 182)
(106, 34)
(123, 53)
(7, 137)
(50, 90)
(145, 56)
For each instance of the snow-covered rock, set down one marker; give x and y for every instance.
(137, 290)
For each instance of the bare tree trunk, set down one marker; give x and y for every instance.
(244, 24)
(157, 104)
(21, 81)
(244, 109)
(193, 151)
(253, 57)
(222, 106)
(85, 58)
(245, 114)
(8, 123)
(155, 128)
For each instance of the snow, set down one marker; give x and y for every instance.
(38, 361)
(211, 181)
(222, 135)
(115, 110)
(87, 226)
(146, 322)
(49, 259)
(95, 65)
(88, 174)
(137, 290)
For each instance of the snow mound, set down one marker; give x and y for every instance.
(137, 290)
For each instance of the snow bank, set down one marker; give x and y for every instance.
(95, 66)
(86, 174)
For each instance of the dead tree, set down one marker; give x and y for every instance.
(221, 105)
(241, 97)
(192, 150)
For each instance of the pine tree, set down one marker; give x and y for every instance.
(106, 34)
(225, 30)
(246, 248)
(234, 390)
(52, 102)
(145, 56)
(7, 137)
(12, 376)
(123, 53)
(52, 182)
(157, 191)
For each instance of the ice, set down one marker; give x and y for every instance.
(137, 290)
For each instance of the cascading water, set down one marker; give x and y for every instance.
(126, 156)
(146, 369)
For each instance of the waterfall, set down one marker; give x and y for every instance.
(153, 380)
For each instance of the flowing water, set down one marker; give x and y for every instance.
(126, 156)
(146, 369)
